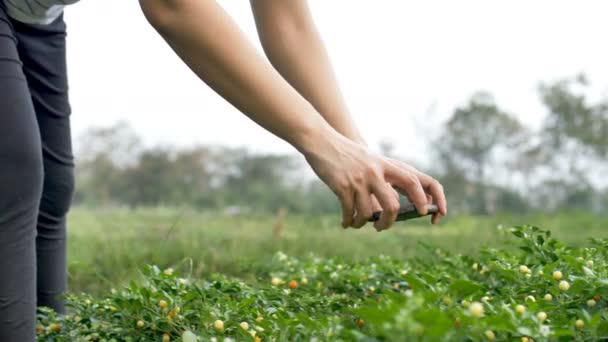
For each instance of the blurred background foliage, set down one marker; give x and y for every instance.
(488, 161)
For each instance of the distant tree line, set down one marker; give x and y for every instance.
(487, 159)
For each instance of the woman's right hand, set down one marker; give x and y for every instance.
(356, 176)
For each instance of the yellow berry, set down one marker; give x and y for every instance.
(257, 339)
(564, 285)
(531, 298)
(540, 272)
(182, 281)
(304, 281)
(140, 324)
(525, 339)
(275, 281)
(259, 319)
(524, 269)
(490, 335)
(520, 309)
(447, 300)
(589, 263)
(548, 297)
(465, 303)
(475, 266)
(244, 325)
(166, 337)
(579, 324)
(168, 271)
(218, 325)
(162, 304)
(557, 275)
(541, 316)
(476, 309)
(591, 303)
(485, 299)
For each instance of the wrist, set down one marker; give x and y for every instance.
(315, 137)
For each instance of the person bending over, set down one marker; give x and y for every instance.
(295, 96)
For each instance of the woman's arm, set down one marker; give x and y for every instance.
(206, 38)
(295, 48)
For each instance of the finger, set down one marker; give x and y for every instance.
(348, 209)
(435, 218)
(435, 189)
(395, 193)
(410, 184)
(375, 204)
(363, 202)
(390, 206)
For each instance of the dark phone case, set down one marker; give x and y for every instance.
(407, 212)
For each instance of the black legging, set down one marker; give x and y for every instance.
(36, 172)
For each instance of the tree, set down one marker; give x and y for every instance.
(475, 146)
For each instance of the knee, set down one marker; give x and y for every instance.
(58, 190)
(21, 177)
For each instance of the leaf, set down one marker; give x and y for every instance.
(540, 240)
(462, 288)
(602, 330)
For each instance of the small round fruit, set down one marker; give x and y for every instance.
(524, 269)
(579, 324)
(188, 336)
(548, 297)
(140, 324)
(162, 304)
(476, 309)
(166, 337)
(304, 281)
(591, 303)
(360, 322)
(447, 300)
(257, 339)
(557, 275)
(244, 325)
(540, 272)
(589, 263)
(596, 298)
(490, 335)
(520, 309)
(56, 327)
(275, 281)
(541, 316)
(475, 266)
(465, 303)
(218, 325)
(525, 339)
(485, 299)
(293, 284)
(564, 285)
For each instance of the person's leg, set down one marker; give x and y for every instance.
(42, 51)
(21, 177)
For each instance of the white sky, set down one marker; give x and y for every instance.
(395, 61)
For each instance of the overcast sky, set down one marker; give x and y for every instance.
(396, 60)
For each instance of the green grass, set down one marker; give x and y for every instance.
(532, 287)
(107, 248)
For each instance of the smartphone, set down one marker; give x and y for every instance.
(407, 212)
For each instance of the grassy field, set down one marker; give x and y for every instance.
(108, 248)
(177, 275)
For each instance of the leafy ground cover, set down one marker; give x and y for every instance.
(542, 290)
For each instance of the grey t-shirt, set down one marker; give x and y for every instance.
(36, 11)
